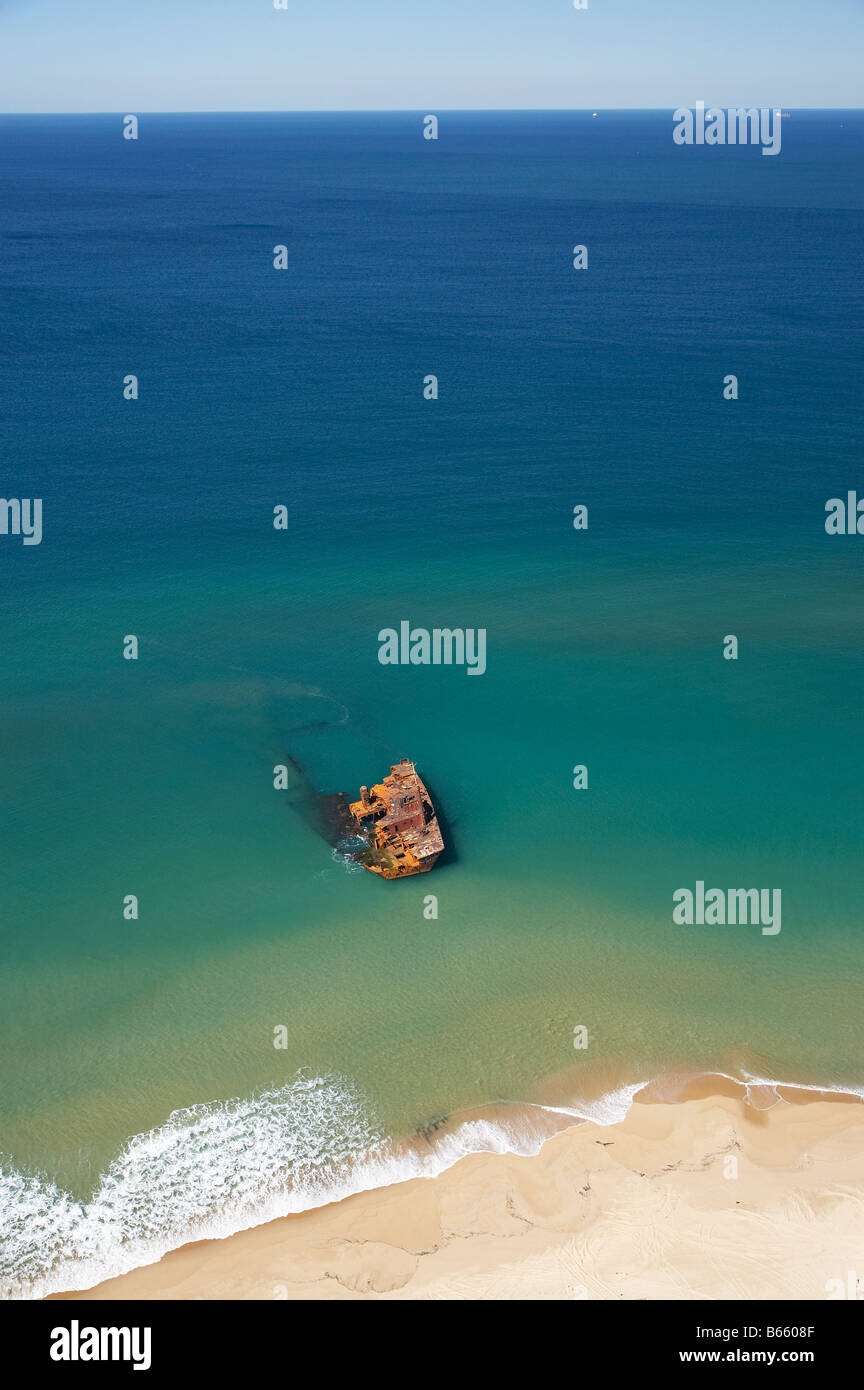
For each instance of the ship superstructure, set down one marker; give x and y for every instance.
(397, 819)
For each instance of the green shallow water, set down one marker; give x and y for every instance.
(554, 904)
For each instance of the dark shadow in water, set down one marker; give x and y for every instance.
(448, 855)
(324, 812)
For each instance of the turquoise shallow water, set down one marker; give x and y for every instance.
(604, 648)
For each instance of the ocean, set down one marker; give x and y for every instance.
(143, 1100)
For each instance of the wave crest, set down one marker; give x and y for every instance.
(214, 1169)
(208, 1171)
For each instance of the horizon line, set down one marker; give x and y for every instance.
(405, 110)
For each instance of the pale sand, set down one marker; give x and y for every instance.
(636, 1210)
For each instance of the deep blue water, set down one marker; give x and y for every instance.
(407, 257)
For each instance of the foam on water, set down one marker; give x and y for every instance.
(215, 1169)
(754, 1084)
(343, 853)
(208, 1171)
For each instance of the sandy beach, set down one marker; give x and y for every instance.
(707, 1197)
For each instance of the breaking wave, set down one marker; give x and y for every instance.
(208, 1171)
(214, 1169)
(218, 1168)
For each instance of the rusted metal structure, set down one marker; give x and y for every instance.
(398, 821)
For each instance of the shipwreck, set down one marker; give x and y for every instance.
(397, 820)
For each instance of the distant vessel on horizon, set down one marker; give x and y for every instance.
(398, 822)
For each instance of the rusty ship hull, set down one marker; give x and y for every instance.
(397, 820)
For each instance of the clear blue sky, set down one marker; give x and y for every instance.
(243, 55)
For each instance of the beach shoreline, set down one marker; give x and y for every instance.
(733, 1190)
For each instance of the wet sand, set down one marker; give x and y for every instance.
(711, 1196)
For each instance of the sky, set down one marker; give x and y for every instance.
(245, 55)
